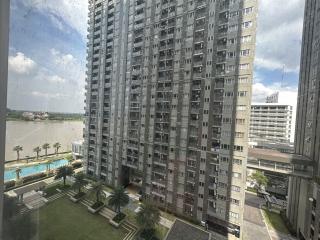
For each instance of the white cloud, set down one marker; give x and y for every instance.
(55, 79)
(287, 95)
(21, 64)
(279, 34)
(73, 12)
(63, 59)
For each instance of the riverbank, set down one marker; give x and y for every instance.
(32, 134)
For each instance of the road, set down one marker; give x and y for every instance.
(254, 226)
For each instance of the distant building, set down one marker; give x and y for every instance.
(77, 149)
(273, 98)
(270, 122)
(28, 116)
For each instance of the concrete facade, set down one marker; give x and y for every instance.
(168, 103)
(304, 193)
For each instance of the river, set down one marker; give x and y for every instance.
(31, 134)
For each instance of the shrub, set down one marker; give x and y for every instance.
(96, 205)
(76, 165)
(147, 234)
(9, 184)
(79, 195)
(119, 217)
(33, 177)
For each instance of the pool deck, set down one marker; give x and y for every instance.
(34, 161)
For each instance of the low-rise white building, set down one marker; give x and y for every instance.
(77, 149)
(270, 122)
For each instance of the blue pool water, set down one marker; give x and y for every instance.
(25, 171)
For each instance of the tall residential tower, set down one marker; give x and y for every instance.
(304, 191)
(168, 103)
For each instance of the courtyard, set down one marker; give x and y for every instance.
(64, 220)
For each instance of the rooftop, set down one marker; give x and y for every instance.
(269, 104)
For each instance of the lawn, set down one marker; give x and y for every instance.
(275, 221)
(64, 220)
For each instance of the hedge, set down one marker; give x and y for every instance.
(9, 184)
(33, 177)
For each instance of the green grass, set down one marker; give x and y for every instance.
(161, 231)
(275, 221)
(168, 216)
(250, 189)
(64, 220)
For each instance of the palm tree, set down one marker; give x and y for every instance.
(148, 217)
(18, 149)
(80, 181)
(63, 172)
(57, 145)
(37, 150)
(49, 162)
(46, 146)
(119, 198)
(18, 171)
(98, 191)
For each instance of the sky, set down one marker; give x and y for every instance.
(47, 54)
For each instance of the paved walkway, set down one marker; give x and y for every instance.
(254, 225)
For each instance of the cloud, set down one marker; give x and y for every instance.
(21, 64)
(287, 95)
(55, 79)
(48, 95)
(62, 59)
(72, 12)
(279, 35)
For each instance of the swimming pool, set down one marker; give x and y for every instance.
(28, 170)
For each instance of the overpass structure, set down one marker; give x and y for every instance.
(277, 162)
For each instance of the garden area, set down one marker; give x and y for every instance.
(64, 220)
(274, 221)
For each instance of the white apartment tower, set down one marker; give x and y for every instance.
(168, 103)
(270, 122)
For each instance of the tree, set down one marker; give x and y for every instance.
(148, 217)
(80, 181)
(37, 150)
(63, 172)
(18, 171)
(97, 190)
(16, 226)
(46, 146)
(260, 179)
(56, 146)
(49, 162)
(119, 198)
(18, 149)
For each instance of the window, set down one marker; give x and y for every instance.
(247, 24)
(235, 188)
(235, 201)
(236, 175)
(234, 215)
(245, 53)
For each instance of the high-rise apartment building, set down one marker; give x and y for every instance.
(270, 122)
(168, 103)
(304, 192)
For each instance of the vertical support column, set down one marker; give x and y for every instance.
(4, 47)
